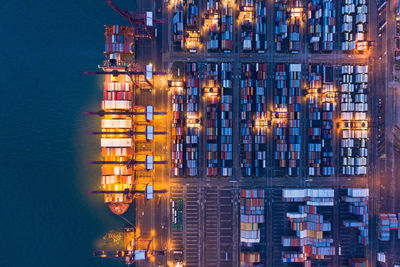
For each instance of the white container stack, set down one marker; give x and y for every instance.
(354, 124)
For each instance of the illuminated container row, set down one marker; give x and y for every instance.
(193, 120)
(280, 117)
(314, 28)
(226, 26)
(251, 221)
(294, 106)
(261, 26)
(328, 25)
(281, 26)
(313, 236)
(354, 123)
(226, 120)
(177, 146)
(177, 22)
(260, 110)
(358, 206)
(246, 122)
(212, 113)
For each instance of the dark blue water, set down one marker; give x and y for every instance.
(47, 219)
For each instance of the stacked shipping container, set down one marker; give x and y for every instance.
(260, 110)
(246, 124)
(328, 25)
(226, 26)
(212, 23)
(294, 107)
(386, 222)
(246, 17)
(251, 219)
(176, 88)
(177, 21)
(261, 26)
(354, 125)
(281, 116)
(226, 120)
(281, 27)
(295, 9)
(358, 205)
(320, 108)
(314, 16)
(118, 97)
(193, 120)
(312, 231)
(212, 90)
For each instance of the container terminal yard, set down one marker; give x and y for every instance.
(252, 132)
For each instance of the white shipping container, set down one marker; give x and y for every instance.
(116, 142)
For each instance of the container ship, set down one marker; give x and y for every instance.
(118, 95)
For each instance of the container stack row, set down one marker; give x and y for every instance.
(261, 123)
(226, 120)
(118, 40)
(295, 12)
(280, 120)
(314, 24)
(192, 14)
(354, 124)
(177, 22)
(361, 25)
(354, 25)
(314, 108)
(251, 221)
(313, 233)
(246, 120)
(294, 104)
(177, 95)
(211, 89)
(212, 24)
(261, 26)
(358, 206)
(328, 106)
(386, 222)
(321, 25)
(192, 120)
(328, 25)
(320, 125)
(226, 26)
(281, 26)
(246, 18)
(191, 38)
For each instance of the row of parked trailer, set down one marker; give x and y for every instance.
(313, 233)
(251, 221)
(354, 125)
(354, 25)
(320, 107)
(321, 25)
